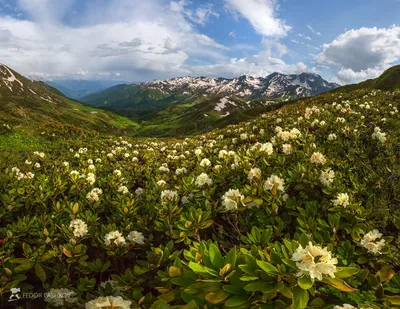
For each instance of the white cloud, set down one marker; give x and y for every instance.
(362, 53)
(313, 30)
(140, 40)
(262, 16)
(304, 36)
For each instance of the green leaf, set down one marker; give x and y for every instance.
(305, 282)
(217, 297)
(200, 269)
(230, 258)
(40, 272)
(268, 268)
(255, 286)
(24, 266)
(339, 284)
(216, 257)
(345, 272)
(236, 301)
(300, 298)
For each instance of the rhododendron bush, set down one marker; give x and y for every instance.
(298, 208)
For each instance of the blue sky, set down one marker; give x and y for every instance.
(344, 41)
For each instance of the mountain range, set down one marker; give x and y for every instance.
(196, 104)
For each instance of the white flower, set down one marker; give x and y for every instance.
(56, 297)
(28, 162)
(231, 199)
(332, 137)
(139, 191)
(203, 180)
(205, 163)
(243, 136)
(135, 160)
(30, 175)
(164, 169)
(327, 177)
(37, 165)
(90, 161)
(114, 237)
(117, 173)
(198, 152)
(91, 179)
(254, 174)
(80, 227)
(342, 199)
(345, 306)
(314, 261)
(317, 158)
(268, 148)
(168, 195)
(94, 195)
(65, 163)
(274, 183)
(287, 149)
(108, 302)
(222, 154)
(379, 135)
(180, 171)
(123, 189)
(369, 242)
(136, 237)
(91, 167)
(161, 183)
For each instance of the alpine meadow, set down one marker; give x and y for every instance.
(234, 154)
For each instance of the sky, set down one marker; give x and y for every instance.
(134, 40)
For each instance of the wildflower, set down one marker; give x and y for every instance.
(327, 177)
(314, 261)
(231, 199)
(180, 171)
(287, 149)
(274, 183)
(332, 137)
(108, 302)
(139, 191)
(161, 183)
(56, 297)
(114, 237)
(317, 158)
(254, 174)
(117, 173)
(205, 163)
(65, 163)
(369, 242)
(342, 199)
(203, 179)
(94, 195)
(136, 237)
(30, 175)
(168, 195)
(91, 179)
(37, 165)
(198, 152)
(345, 306)
(123, 189)
(28, 162)
(268, 148)
(379, 135)
(79, 226)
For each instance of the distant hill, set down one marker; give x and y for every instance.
(77, 89)
(31, 103)
(388, 81)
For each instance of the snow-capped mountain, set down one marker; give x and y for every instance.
(275, 85)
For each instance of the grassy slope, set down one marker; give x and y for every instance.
(388, 81)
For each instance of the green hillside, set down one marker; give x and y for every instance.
(388, 81)
(35, 107)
